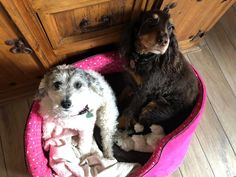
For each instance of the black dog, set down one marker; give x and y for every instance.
(163, 88)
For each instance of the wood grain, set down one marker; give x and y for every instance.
(63, 26)
(234, 6)
(138, 7)
(190, 17)
(18, 91)
(50, 6)
(29, 25)
(14, 68)
(220, 93)
(88, 44)
(39, 20)
(228, 22)
(12, 122)
(3, 170)
(215, 144)
(177, 173)
(195, 163)
(219, 42)
(50, 28)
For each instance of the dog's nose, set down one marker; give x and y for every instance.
(163, 39)
(66, 104)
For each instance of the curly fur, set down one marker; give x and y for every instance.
(91, 90)
(162, 84)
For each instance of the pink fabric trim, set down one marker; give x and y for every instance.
(168, 155)
(35, 157)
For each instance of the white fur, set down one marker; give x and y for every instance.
(157, 49)
(94, 92)
(142, 143)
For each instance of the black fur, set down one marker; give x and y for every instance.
(168, 81)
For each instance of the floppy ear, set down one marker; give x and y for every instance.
(93, 83)
(42, 88)
(169, 6)
(172, 23)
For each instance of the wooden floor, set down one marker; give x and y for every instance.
(213, 148)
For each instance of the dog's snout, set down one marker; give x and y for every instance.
(163, 40)
(66, 104)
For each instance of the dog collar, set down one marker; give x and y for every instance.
(86, 110)
(144, 58)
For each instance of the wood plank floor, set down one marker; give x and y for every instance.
(213, 149)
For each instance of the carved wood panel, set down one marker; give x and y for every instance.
(71, 22)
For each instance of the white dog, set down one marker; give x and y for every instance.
(67, 92)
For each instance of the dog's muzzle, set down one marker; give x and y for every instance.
(66, 104)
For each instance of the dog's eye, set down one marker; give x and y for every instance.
(77, 85)
(57, 85)
(152, 22)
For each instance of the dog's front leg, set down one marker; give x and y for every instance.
(107, 143)
(130, 115)
(107, 121)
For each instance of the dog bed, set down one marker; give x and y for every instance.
(169, 152)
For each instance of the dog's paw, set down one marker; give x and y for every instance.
(124, 141)
(138, 128)
(157, 129)
(118, 136)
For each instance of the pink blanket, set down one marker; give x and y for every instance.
(60, 139)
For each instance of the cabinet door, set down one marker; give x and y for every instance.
(18, 69)
(75, 25)
(193, 18)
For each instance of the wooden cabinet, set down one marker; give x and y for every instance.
(75, 25)
(16, 70)
(56, 29)
(193, 18)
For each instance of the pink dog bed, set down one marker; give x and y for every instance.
(168, 155)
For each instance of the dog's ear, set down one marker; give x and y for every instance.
(42, 89)
(127, 39)
(172, 24)
(94, 84)
(169, 6)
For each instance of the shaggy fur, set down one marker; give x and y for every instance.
(162, 85)
(66, 92)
